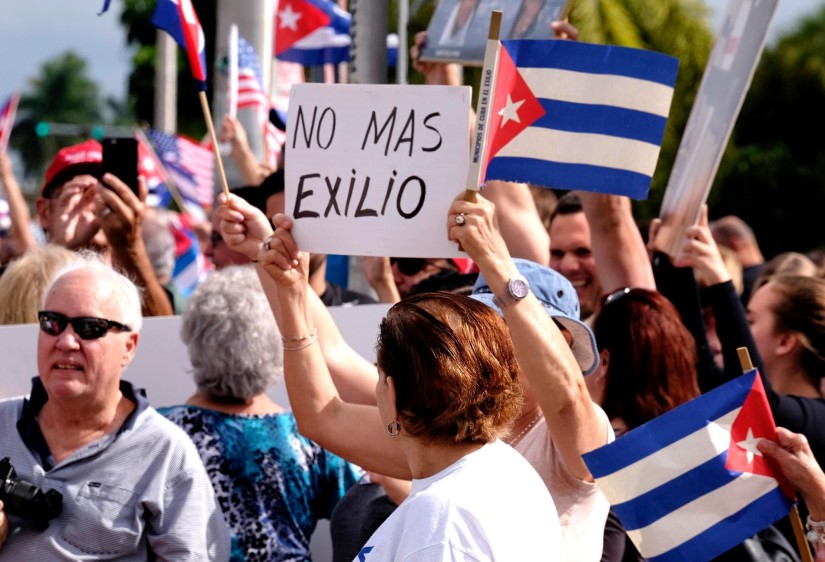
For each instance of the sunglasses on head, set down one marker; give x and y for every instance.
(615, 295)
(86, 327)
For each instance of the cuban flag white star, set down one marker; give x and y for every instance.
(510, 111)
(749, 445)
(289, 19)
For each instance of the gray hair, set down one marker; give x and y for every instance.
(124, 292)
(234, 344)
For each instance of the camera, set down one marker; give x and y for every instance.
(25, 500)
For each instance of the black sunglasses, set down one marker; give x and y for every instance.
(615, 295)
(86, 327)
(409, 266)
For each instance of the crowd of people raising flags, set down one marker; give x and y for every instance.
(565, 328)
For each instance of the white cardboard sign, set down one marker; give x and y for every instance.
(372, 169)
(725, 83)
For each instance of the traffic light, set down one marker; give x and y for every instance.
(97, 132)
(42, 129)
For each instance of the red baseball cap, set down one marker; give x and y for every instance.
(83, 158)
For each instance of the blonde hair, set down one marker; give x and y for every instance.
(787, 263)
(24, 282)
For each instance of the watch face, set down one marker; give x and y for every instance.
(519, 288)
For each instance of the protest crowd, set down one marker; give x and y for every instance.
(490, 425)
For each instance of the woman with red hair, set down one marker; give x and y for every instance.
(648, 358)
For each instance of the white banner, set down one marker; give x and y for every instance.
(372, 169)
(161, 364)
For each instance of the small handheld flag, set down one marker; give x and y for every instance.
(7, 114)
(312, 32)
(178, 18)
(317, 32)
(573, 115)
(691, 484)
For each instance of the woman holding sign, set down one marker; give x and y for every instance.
(557, 421)
(448, 389)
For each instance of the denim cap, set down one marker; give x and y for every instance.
(559, 299)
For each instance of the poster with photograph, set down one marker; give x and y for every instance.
(458, 29)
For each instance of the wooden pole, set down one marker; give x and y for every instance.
(566, 12)
(796, 521)
(208, 118)
(484, 105)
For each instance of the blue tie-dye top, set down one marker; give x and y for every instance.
(272, 483)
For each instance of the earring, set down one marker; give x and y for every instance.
(394, 428)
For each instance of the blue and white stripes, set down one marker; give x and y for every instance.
(606, 111)
(668, 482)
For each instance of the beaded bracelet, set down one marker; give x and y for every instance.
(310, 339)
(816, 531)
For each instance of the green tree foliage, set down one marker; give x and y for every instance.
(773, 175)
(136, 18)
(62, 93)
(674, 27)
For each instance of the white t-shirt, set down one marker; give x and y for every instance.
(489, 505)
(582, 508)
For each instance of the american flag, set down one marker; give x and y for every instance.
(251, 91)
(7, 113)
(191, 166)
(251, 94)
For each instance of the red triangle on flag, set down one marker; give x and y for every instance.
(515, 107)
(294, 20)
(754, 423)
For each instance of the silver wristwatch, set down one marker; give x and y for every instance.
(517, 289)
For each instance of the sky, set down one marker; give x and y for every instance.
(34, 31)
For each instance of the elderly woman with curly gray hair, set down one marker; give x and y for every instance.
(272, 483)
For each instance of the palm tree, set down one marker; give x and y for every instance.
(62, 93)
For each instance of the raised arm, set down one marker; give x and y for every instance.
(352, 431)
(245, 228)
(18, 210)
(519, 221)
(123, 225)
(232, 131)
(541, 350)
(621, 256)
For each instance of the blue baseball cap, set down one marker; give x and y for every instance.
(559, 299)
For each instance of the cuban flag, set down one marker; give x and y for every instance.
(7, 115)
(312, 32)
(573, 115)
(178, 19)
(317, 32)
(191, 267)
(691, 484)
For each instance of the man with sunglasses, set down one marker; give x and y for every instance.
(133, 486)
(81, 210)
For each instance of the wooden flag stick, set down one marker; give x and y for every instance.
(483, 106)
(796, 521)
(215, 149)
(566, 12)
